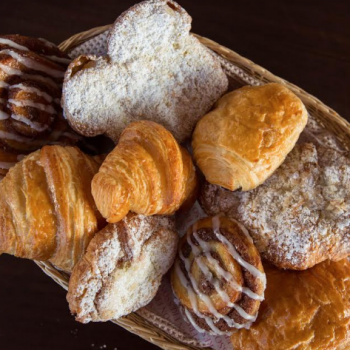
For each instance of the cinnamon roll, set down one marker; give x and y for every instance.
(31, 76)
(218, 276)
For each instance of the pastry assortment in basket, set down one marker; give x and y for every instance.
(110, 221)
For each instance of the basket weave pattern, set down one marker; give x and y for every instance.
(244, 72)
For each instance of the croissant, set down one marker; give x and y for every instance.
(147, 173)
(31, 76)
(248, 134)
(47, 210)
(218, 276)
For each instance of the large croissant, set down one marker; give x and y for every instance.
(47, 211)
(147, 173)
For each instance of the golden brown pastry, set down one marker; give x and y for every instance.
(147, 173)
(244, 139)
(31, 76)
(218, 276)
(122, 268)
(300, 216)
(47, 210)
(306, 310)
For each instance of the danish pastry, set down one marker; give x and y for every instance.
(122, 268)
(300, 216)
(147, 173)
(248, 134)
(218, 276)
(31, 75)
(306, 310)
(47, 210)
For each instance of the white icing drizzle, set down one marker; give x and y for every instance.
(10, 136)
(6, 165)
(33, 90)
(32, 64)
(11, 43)
(3, 115)
(220, 271)
(194, 290)
(13, 71)
(29, 103)
(252, 269)
(4, 85)
(47, 43)
(58, 59)
(193, 300)
(34, 125)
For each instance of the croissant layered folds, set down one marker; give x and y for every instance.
(47, 210)
(147, 173)
(218, 276)
(31, 76)
(245, 138)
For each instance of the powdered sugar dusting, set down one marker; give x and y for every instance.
(300, 216)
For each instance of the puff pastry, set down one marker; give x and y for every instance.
(306, 310)
(248, 134)
(300, 216)
(147, 173)
(47, 210)
(122, 268)
(218, 276)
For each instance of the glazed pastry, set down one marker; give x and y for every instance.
(218, 277)
(147, 173)
(248, 134)
(306, 310)
(300, 216)
(154, 69)
(31, 75)
(122, 268)
(47, 210)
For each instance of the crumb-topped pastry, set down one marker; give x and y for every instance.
(154, 70)
(301, 215)
(122, 268)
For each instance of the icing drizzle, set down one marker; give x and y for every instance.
(193, 290)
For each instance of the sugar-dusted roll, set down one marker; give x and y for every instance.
(122, 268)
(218, 276)
(247, 136)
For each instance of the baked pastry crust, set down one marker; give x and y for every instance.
(248, 134)
(147, 173)
(122, 268)
(306, 310)
(218, 276)
(47, 210)
(300, 216)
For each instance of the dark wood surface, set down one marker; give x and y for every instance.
(304, 41)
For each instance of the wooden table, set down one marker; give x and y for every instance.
(305, 42)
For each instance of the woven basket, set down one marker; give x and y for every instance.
(248, 73)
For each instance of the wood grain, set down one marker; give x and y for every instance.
(305, 42)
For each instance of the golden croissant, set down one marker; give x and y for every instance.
(147, 173)
(47, 210)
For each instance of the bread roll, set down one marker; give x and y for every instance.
(248, 135)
